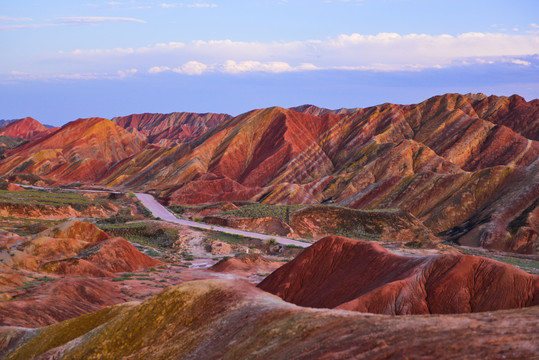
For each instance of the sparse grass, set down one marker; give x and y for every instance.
(24, 227)
(281, 212)
(143, 210)
(284, 212)
(48, 198)
(152, 253)
(233, 239)
(142, 233)
(520, 261)
(292, 246)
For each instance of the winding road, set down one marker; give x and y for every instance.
(159, 211)
(162, 212)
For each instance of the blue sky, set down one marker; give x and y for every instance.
(62, 59)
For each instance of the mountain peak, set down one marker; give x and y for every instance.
(27, 128)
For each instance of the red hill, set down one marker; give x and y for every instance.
(27, 128)
(350, 274)
(83, 150)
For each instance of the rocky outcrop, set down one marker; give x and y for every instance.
(230, 319)
(356, 275)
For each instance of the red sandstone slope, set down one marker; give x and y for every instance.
(82, 150)
(170, 128)
(349, 274)
(27, 128)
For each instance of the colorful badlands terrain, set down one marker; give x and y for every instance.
(459, 168)
(466, 166)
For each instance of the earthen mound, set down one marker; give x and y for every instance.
(103, 259)
(76, 230)
(337, 272)
(246, 265)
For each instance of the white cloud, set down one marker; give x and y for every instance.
(199, 5)
(158, 69)
(96, 19)
(13, 19)
(119, 74)
(192, 68)
(25, 26)
(233, 67)
(125, 73)
(168, 5)
(380, 52)
(520, 62)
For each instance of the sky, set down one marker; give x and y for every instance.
(67, 59)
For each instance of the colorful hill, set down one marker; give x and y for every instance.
(356, 275)
(167, 129)
(231, 319)
(83, 150)
(27, 128)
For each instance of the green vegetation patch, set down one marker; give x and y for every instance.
(522, 262)
(47, 198)
(24, 227)
(281, 212)
(143, 233)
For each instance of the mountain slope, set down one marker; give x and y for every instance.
(81, 150)
(167, 129)
(26, 128)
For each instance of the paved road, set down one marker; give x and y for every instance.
(162, 212)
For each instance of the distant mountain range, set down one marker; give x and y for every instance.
(467, 166)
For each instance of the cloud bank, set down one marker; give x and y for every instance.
(384, 52)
